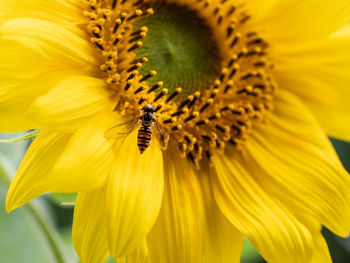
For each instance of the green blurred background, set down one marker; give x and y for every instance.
(40, 232)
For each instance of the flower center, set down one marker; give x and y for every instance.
(179, 48)
(149, 50)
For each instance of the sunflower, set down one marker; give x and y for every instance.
(242, 94)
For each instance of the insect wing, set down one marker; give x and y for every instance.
(124, 128)
(162, 134)
(166, 139)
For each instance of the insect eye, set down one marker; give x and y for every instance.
(148, 108)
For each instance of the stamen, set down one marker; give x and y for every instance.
(138, 13)
(149, 75)
(138, 3)
(220, 128)
(143, 29)
(160, 95)
(255, 41)
(155, 87)
(174, 94)
(192, 116)
(135, 46)
(195, 98)
(138, 37)
(202, 122)
(206, 105)
(215, 116)
(231, 11)
(128, 84)
(114, 3)
(223, 74)
(134, 67)
(177, 127)
(170, 120)
(142, 100)
(235, 40)
(131, 76)
(251, 34)
(244, 19)
(228, 86)
(216, 11)
(208, 155)
(140, 60)
(117, 39)
(180, 112)
(139, 90)
(219, 19)
(118, 22)
(230, 29)
(160, 105)
(185, 102)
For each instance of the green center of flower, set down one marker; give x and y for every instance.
(180, 49)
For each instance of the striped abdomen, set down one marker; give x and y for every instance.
(144, 138)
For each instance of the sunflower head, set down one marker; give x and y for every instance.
(206, 73)
(220, 82)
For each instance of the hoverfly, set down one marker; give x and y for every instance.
(147, 119)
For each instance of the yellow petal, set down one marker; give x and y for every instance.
(302, 22)
(321, 251)
(19, 95)
(62, 163)
(32, 46)
(90, 227)
(272, 229)
(319, 75)
(86, 160)
(70, 103)
(296, 162)
(19, 62)
(31, 179)
(58, 11)
(33, 51)
(259, 9)
(15, 124)
(7, 84)
(223, 242)
(134, 194)
(140, 255)
(178, 233)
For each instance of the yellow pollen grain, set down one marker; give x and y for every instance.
(150, 11)
(138, 12)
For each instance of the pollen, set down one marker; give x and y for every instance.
(217, 94)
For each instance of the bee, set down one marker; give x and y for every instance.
(147, 119)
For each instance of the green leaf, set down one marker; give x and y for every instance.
(63, 199)
(27, 136)
(27, 234)
(66, 235)
(340, 247)
(343, 150)
(250, 254)
(110, 260)
(339, 253)
(13, 152)
(21, 236)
